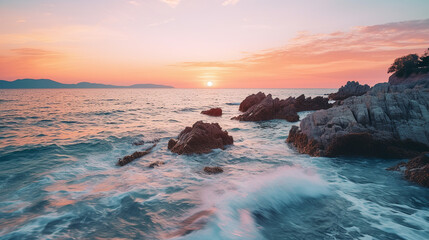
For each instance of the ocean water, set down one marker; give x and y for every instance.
(58, 178)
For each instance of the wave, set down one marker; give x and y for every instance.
(236, 203)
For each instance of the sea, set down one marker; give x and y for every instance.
(59, 178)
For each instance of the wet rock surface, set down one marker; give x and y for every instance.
(214, 112)
(213, 170)
(352, 88)
(156, 164)
(415, 170)
(390, 121)
(129, 158)
(200, 138)
(287, 109)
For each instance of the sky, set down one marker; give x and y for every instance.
(231, 43)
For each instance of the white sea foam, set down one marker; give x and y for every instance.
(236, 201)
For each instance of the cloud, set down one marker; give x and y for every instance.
(230, 2)
(171, 3)
(325, 60)
(155, 24)
(135, 3)
(33, 52)
(70, 33)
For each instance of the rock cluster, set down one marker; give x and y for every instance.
(200, 138)
(214, 112)
(389, 121)
(352, 88)
(259, 107)
(416, 169)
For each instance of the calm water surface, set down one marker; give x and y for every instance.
(58, 178)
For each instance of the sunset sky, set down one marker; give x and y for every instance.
(232, 43)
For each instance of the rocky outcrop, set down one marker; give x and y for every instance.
(395, 80)
(200, 138)
(287, 109)
(251, 100)
(416, 169)
(214, 112)
(390, 121)
(127, 159)
(213, 170)
(352, 88)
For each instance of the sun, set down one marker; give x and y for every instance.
(209, 84)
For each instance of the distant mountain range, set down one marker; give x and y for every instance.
(47, 83)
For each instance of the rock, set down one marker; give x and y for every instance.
(311, 104)
(416, 169)
(127, 159)
(213, 170)
(352, 88)
(142, 142)
(139, 143)
(389, 122)
(214, 112)
(156, 164)
(251, 100)
(200, 138)
(395, 80)
(287, 109)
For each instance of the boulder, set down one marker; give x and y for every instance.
(388, 121)
(352, 88)
(416, 169)
(213, 170)
(287, 109)
(251, 100)
(214, 112)
(200, 138)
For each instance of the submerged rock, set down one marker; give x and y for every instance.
(142, 142)
(214, 112)
(127, 159)
(352, 88)
(388, 121)
(156, 164)
(415, 170)
(287, 109)
(200, 138)
(213, 170)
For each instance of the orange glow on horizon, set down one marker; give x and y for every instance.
(171, 44)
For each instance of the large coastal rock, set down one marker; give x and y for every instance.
(416, 169)
(287, 109)
(395, 80)
(200, 138)
(251, 100)
(390, 121)
(352, 88)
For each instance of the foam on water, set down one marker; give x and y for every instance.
(59, 179)
(236, 202)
